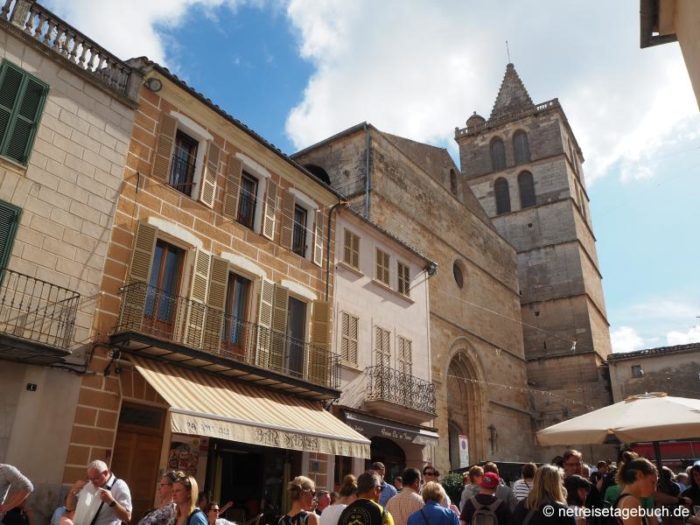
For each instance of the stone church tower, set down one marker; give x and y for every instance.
(524, 166)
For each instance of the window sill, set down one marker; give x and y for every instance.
(383, 286)
(345, 266)
(14, 165)
(350, 366)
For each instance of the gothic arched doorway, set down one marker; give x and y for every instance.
(389, 453)
(464, 409)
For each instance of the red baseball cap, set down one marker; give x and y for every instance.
(490, 480)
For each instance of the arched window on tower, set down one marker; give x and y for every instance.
(521, 147)
(498, 154)
(502, 196)
(526, 186)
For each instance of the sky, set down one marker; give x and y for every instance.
(298, 71)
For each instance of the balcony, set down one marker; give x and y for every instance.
(392, 393)
(37, 319)
(174, 328)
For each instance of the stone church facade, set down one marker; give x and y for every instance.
(518, 328)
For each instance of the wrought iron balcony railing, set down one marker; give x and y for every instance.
(37, 311)
(153, 312)
(391, 385)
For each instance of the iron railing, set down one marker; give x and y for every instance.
(391, 385)
(182, 174)
(37, 311)
(153, 312)
(52, 32)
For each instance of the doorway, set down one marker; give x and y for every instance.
(389, 453)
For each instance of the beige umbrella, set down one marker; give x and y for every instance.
(646, 417)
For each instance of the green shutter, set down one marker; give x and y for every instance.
(9, 221)
(22, 99)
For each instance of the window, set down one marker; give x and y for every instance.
(498, 154)
(521, 147)
(405, 356)
(526, 187)
(458, 274)
(382, 347)
(351, 251)
(247, 200)
(9, 222)
(296, 333)
(22, 98)
(236, 310)
(502, 196)
(382, 273)
(183, 164)
(163, 285)
(404, 279)
(348, 337)
(299, 230)
(637, 371)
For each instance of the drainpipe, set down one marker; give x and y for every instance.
(368, 182)
(328, 246)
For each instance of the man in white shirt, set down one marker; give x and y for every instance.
(105, 500)
(408, 500)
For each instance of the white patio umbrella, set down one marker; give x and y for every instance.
(647, 417)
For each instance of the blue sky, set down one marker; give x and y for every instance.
(297, 71)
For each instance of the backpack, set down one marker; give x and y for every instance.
(484, 514)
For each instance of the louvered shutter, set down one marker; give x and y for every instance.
(9, 222)
(287, 220)
(382, 347)
(269, 220)
(138, 287)
(319, 355)
(352, 336)
(207, 192)
(196, 306)
(164, 148)
(318, 238)
(264, 343)
(234, 170)
(22, 100)
(279, 328)
(216, 302)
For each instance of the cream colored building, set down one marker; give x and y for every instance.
(663, 21)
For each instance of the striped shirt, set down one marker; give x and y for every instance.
(403, 505)
(521, 489)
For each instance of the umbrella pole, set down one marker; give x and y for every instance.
(657, 454)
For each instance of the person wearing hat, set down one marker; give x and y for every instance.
(486, 498)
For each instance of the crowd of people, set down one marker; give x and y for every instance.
(564, 492)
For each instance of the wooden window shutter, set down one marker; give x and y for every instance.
(164, 148)
(268, 228)
(279, 328)
(319, 360)
(22, 99)
(348, 342)
(382, 346)
(318, 238)
(196, 306)
(234, 171)
(264, 339)
(134, 298)
(9, 222)
(287, 220)
(207, 192)
(216, 302)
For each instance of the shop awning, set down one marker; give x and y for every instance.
(371, 426)
(208, 405)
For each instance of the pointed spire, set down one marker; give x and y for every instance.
(512, 97)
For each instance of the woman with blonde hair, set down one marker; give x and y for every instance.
(185, 491)
(546, 502)
(301, 492)
(346, 495)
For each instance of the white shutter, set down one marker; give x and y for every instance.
(207, 192)
(196, 306)
(268, 229)
(264, 343)
(318, 238)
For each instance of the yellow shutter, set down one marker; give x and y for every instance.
(198, 295)
(234, 171)
(134, 299)
(268, 229)
(164, 148)
(216, 302)
(207, 192)
(319, 355)
(287, 220)
(264, 340)
(279, 328)
(318, 238)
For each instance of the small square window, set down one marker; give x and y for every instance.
(382, 273)
(637, 371)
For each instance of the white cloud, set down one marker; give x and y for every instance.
(626, 339)
(683, 338)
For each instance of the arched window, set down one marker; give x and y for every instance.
(498, 154)
(502, 196)
(521, 147)
(526, 185)
(453, 182)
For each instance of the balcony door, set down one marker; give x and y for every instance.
(296, 333)
(237, 332)
(163, 284)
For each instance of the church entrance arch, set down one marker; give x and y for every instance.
(464, 410)
(389, 453)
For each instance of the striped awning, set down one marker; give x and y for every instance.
(207, 405)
